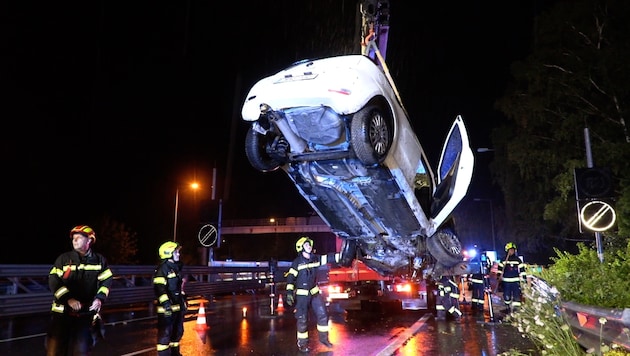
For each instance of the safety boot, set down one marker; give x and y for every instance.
(324, 340)
(303, 347)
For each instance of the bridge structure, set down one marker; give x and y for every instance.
(307, 224)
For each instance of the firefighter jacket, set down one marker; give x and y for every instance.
(512, 269)
(83, 278)
(302, 276)
(167, 285)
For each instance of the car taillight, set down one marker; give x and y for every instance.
(334, 289)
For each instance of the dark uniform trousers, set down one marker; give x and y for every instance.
(304, 299)
(447, 299)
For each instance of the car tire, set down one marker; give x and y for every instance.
(445, 247)
(256, 151)
(371, 134)
(348, 252)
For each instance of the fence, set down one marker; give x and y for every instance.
(24, 288)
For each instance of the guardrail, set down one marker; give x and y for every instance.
(592, 326)
(24, 288)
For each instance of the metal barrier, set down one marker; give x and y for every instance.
(592, 326)
(24, 288)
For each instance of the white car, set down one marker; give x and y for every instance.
(338, 129)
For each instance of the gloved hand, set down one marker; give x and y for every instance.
(168, 311)
(290, 299)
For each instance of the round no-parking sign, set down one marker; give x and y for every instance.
(207, 235)
(598, 215)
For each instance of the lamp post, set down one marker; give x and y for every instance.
(494, 246)
(193, 186)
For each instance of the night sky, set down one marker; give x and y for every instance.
(111, 106)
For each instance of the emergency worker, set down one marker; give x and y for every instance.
(80, 281)
(447, 299)
(480, 281)
(303, 292)
(511, 272)
(171, 300)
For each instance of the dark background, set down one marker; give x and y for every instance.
(112, 106)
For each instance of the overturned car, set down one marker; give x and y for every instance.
(337, 127)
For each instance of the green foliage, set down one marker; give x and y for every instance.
(583, 279)
(576, 77)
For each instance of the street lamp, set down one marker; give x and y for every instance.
(193, 186)
(494, 246)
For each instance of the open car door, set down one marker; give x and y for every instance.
(454, 172)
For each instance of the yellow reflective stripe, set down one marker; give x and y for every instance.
(161, 347)
(314, 290)
(90, 267)
(324, 259)
(162, 298)
(103, 290)
(301, 292)
(303, 335)
(105, 275)
(58, 308)
(293, 271)
(290, 287)
(511, 279)
(174, 344)
(322, 328)
(57, 271)
(159, 280)
(171, 275)
(61, 292)
(439, 307)
(174, 308)
(308, 265)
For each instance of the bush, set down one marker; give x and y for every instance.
(583, 279)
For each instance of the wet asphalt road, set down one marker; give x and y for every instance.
(231, 331)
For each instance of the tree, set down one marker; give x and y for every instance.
(116, 242)
(575, 78)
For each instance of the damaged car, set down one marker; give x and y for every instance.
(338, 128)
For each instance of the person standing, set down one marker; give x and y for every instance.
(511, 271)
(480, 281)
(168, 283)
(447, 299)
(80, 281)
(303, 292)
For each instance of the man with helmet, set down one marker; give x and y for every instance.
(303, 291)
(171, 300)
(511, 271)
(80, 281)
(479, 279)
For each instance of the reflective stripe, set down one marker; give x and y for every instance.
(303, 335)
(322, 328)
(58, 308)
(301, 292)
(161, 347)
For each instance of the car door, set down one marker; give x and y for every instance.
(455, 170)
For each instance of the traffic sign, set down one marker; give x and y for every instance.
(597, 215)
(208, 235)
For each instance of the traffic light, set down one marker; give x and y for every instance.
(595, 195)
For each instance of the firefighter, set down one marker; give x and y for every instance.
(479, 279)
(447, 299)
(511, 272)
(303, 292)
(171, 300)
(80, 281)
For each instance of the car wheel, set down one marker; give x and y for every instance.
(256, 146)
(348, 252)
(445, 247)
(372, 134)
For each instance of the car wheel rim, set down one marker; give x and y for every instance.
(379, 134)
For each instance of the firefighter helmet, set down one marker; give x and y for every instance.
(510, 245)
(85, 231)
(166, 250)
(301, 241)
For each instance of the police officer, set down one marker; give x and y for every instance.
(447, 299)
(511, 271)
(171, 300)
(303, 292)
(80, 281)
